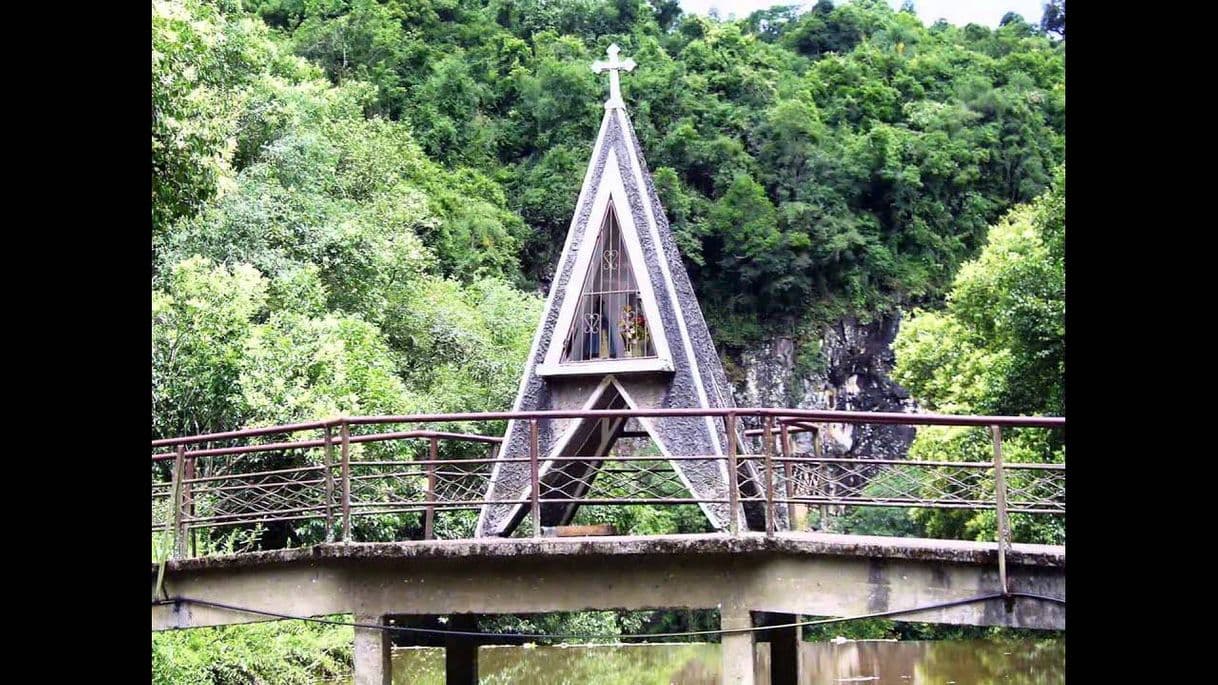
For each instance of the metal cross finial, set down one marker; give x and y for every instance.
(613, 66)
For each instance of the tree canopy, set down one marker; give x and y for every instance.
(998, 348)
(885, 147)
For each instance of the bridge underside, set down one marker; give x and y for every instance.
(794, 573)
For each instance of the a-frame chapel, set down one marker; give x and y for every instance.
(621, 329)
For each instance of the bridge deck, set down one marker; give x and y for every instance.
(787, 543)
(793, 573)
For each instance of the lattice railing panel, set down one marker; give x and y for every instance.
(457, 482)
(875, 482)
(162, 505)
(1040, 488)
(754, 477)
(248, 497)
(385, 483)
(623, 479)
(633, 480)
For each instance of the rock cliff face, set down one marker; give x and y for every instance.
(848, 372)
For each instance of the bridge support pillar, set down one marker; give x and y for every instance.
(785, 663)
(461, 653)
(737, 647)
(372, 652)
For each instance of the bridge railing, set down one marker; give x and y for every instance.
(401, 477)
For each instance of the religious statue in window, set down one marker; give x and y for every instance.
(609, 321)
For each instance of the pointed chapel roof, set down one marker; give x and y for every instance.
(681, 368)
(617, 176)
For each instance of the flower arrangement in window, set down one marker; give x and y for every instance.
(633, 327)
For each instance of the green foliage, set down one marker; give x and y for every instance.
(846, 158)
(878, 521)
(191, 117)
(884, 629)
(998, 348)
(600, 626)
(646, 520)
(338, 270)
(288, 652)
(758, 255)
(342, 270)
(297, 367)
(652, 479)
(200, 320)
(1053, 21)
(463, 346)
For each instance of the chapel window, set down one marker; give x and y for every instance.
(609, 321)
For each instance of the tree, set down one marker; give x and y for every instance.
(751, 250)
(200, 321)
(199, 61)
(998, 348)
(1053, 21)
(341, 270)
(1011, 18)
(668, 12)
(354, 206)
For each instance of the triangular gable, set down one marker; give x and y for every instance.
(610, 393)
(586, 315)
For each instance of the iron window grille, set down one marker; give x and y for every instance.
(609, 322)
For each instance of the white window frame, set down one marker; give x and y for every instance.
(609, 189)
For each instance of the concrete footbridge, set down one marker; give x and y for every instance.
(350, 515)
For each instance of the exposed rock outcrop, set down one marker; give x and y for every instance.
(850, 371)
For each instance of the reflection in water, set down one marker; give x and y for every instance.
(1013, 662)
(1022, 662)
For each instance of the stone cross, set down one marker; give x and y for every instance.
(613, 66)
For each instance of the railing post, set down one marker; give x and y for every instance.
(733, 477)
(429, 518)
(345, 435)
(767, 442)
(1004, 524)
(188, 503)
(329, 460)
(821, 475)
(179, 473)
(788, 481)
(534, 479)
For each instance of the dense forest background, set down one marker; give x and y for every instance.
(357, 204)
(399, 176)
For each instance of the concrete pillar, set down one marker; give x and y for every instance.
(737, 647)
(785, 663)
(461, 653)
(372, 652)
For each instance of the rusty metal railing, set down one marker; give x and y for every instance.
(349, 479)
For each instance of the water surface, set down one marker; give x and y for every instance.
(1010, 662)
